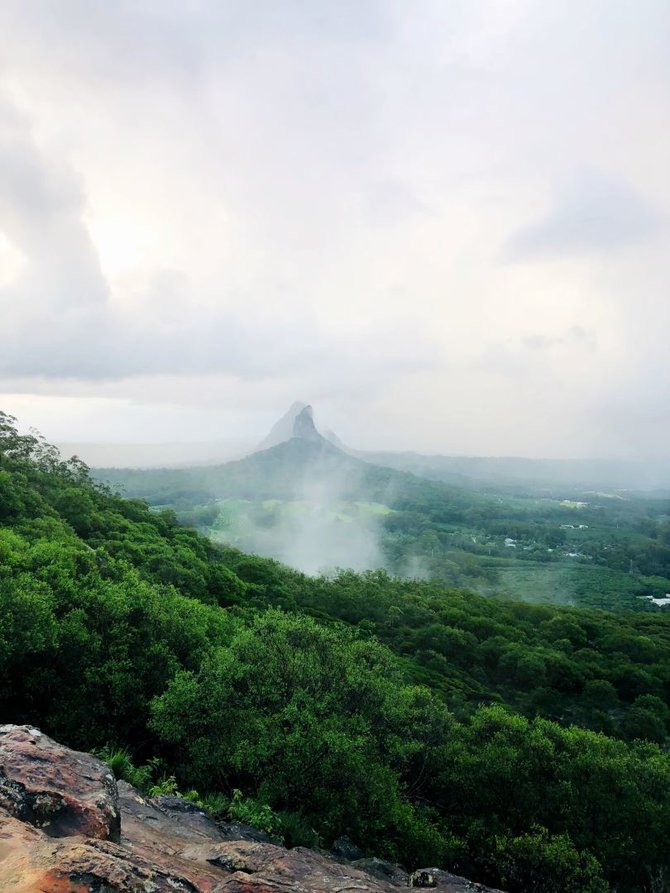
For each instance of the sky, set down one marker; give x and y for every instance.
(443, 223)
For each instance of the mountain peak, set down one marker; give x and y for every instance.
(303, 425)
(297, 422)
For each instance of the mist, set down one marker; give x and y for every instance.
(316, 534)
(326, 524)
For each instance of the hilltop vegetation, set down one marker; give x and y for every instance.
(430, 724)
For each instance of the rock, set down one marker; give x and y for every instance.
(345, 848)
(188, 817)
(282, 430)
(59, 790)
(303, 426)
(247, 856)
(176, 806)
(444, 880)
(297, 422)
(60, 833)
(385, 871)
(423, 877)
(240, 831)
(334, 439)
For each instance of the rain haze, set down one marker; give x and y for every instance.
(444, 225)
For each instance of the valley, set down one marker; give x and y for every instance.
(308, 503)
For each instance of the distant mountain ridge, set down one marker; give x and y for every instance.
(517, 472)
(475, 473)
(301, 461)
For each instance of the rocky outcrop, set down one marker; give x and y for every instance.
(297, 422)
(282, 430)
(67, 827)
(63, 792)
(304, 427)
(344, 848)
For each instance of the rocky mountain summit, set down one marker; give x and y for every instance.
(283, 429)
(297, 422)
(303, 425)
(66, 826)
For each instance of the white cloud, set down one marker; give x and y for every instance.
(218, 205)
(592, 213)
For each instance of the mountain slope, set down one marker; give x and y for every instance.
(286, 471)
(160, 843)
(119, 627)
(527, 475)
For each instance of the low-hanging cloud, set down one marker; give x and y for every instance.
(323, 521)
(316, 533)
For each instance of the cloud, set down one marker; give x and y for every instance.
(539, 354)
(213, 208)
(576, 336)
(593, 213)
(41, 206)
(61, 321)
(392, 202)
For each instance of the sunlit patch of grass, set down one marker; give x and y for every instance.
(374, 508)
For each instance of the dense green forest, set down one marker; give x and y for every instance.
(566, 545)
(522, 745)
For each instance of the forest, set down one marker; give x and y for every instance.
(522, 745)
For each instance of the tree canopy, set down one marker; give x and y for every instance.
(523, 745)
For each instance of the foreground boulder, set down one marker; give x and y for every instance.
(67, 827)
(59, 790)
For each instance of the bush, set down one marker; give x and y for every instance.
(251, 812)
(120, 762)
(540, 863)
(297, 831)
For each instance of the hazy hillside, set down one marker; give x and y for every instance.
(315, 506)
(284, 471)
(530, 475)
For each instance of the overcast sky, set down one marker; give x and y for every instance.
(444, 223)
